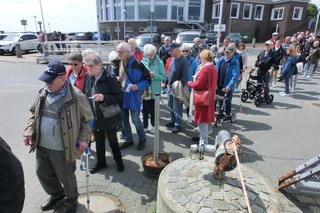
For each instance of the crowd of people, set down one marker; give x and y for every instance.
(78, 101)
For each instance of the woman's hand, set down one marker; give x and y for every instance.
(97, 97)
(189, 83)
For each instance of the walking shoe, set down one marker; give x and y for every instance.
(170, 125)
(176, 129)
(51, 202)
(126, 145)
(190, 120)
(121, 136)
(146, 130)
(152, 130)
(308, 77)
(120, 166)
(141, 145)
(284, 94)
(71, 207)
(195, 139)
(226, 118)
(97, 168)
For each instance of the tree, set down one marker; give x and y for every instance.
(312, 11)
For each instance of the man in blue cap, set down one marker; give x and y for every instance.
(59, 131)
(178, 71)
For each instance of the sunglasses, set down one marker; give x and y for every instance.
(72, 64)
(185, 51)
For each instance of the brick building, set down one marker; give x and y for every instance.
(255, 18)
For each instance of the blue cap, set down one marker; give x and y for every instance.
(174, 45)
(53, 70)
(203, 46)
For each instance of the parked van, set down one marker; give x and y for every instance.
(187, 37)
(145, 38)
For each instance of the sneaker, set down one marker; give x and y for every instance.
(126, 145)
(308, 76)
(176, 129)
(146, 130)
(284, 94)
(152, 130)
(190, 120)
(226, 118)
(97, 168)
(141, 145)
(170, 125)
(292, 90)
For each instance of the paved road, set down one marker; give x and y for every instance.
(277, 137)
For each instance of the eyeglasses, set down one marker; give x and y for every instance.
(73, 64)
(119, 52)
(185, 51)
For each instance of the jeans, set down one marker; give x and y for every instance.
(204, 131)
(293, 82)
(177, 108)
(266, 81)
(228, 103)
(148, 109)
(286, 84)
(137, 123)
(309, 69)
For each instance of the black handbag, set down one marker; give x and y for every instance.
(110, 110)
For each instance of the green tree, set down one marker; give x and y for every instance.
(312, 11)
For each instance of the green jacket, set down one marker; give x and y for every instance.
(156, 66)
(73, 119)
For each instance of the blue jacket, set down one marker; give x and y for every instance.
(288, 67)
(232, 72)
(139, 75)
(192, 67)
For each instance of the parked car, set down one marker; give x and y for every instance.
(145, 38)
(87, 36)
(128, 36)
(26, 41)
(71, 36)
(165, 34)
(246, 37)
(2, 35)
(187, 37)
(210, 37)
(103, 37)
(235, 38)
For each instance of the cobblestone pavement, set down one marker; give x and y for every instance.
(277, 137)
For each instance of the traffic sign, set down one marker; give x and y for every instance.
(222, 28)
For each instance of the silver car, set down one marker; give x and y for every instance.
(26, 40)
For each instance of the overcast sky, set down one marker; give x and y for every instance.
(63, 15)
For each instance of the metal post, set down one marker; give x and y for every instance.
(156, 128)
(98, 23)
(124, 24)
(35, 22)
(49, 27)
(317, 21)
(220, 21)
(44, 25)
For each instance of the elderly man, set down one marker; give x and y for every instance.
(228, 72)
(163, 52)
(226, 42)
(134, 78)
(178, 71)
(59, 131)
(134, 50)
(194, 48)
(274, 38)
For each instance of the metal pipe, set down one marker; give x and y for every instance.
(156, 128)
(220, 21)
(44, 25)
(317, 21)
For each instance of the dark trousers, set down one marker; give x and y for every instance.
(286, 85)
(52, 170)
(100, 136)
(148, 109)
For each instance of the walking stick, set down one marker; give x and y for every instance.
(87, 178)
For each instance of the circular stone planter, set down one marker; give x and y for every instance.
(152, 168)
(187, 185)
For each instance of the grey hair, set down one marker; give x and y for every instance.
(167, 38)
(92, 59)
(132, 41)
(185, 47)
(214, 48)
(196, 39)
(113, 55)
(124, 46)
(87, 52)
(75, 56)
(149, 49)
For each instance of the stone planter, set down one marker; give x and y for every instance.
(152, 168)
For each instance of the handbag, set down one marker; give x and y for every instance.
(146, 94)
(110, 110)
(201, 97)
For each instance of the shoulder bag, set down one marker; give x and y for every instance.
(109, 110)
(202, 97)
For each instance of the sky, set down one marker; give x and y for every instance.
(63, 15)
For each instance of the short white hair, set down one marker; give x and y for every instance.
(196, 39)
(124, 46)
(92, 59)
(87, 52)
(113, 55)
(185, 47)
(167, 38)
(132, 41)
(214, 48)
(149, 49)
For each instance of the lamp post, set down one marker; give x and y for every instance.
(49, 27)
(35, 22)
(124, 23)
(39, 22)
(315, 28)
(220, 22)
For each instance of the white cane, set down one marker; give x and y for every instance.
(87, 178)
(191, 104)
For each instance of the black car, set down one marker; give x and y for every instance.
(87, 36)
(165, 34)
(235, 38)
(210, 37)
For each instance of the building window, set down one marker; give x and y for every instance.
(161, 12)
(234, 10)
(277, 13)
(297, 13)
(174, 12)
(258, 14)
(216, 11)
(108, 2)
(117, 13)
(194, 10)
(144, 11)
(130, 12)
(247, 10)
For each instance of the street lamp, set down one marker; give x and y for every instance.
(39, 22)
(315, 28)
(49, 27)
(124, 23)
(35, 22)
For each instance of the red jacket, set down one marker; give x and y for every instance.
(138, 54)
(81, 78)
(205, 114)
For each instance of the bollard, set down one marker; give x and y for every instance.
(45, 50)
(18, 51)
(253, 42)
(156, 126)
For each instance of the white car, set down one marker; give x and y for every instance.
(26, 40)
(187, 37)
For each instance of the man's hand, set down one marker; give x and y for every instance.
(27, 140)
(82, 145)
(134, 87)
(227, 89)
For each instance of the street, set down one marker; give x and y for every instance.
(277, 138)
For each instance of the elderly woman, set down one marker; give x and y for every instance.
(77, 72)
(134, 50)
(102, 90)
(156, 68)
(205, 80)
